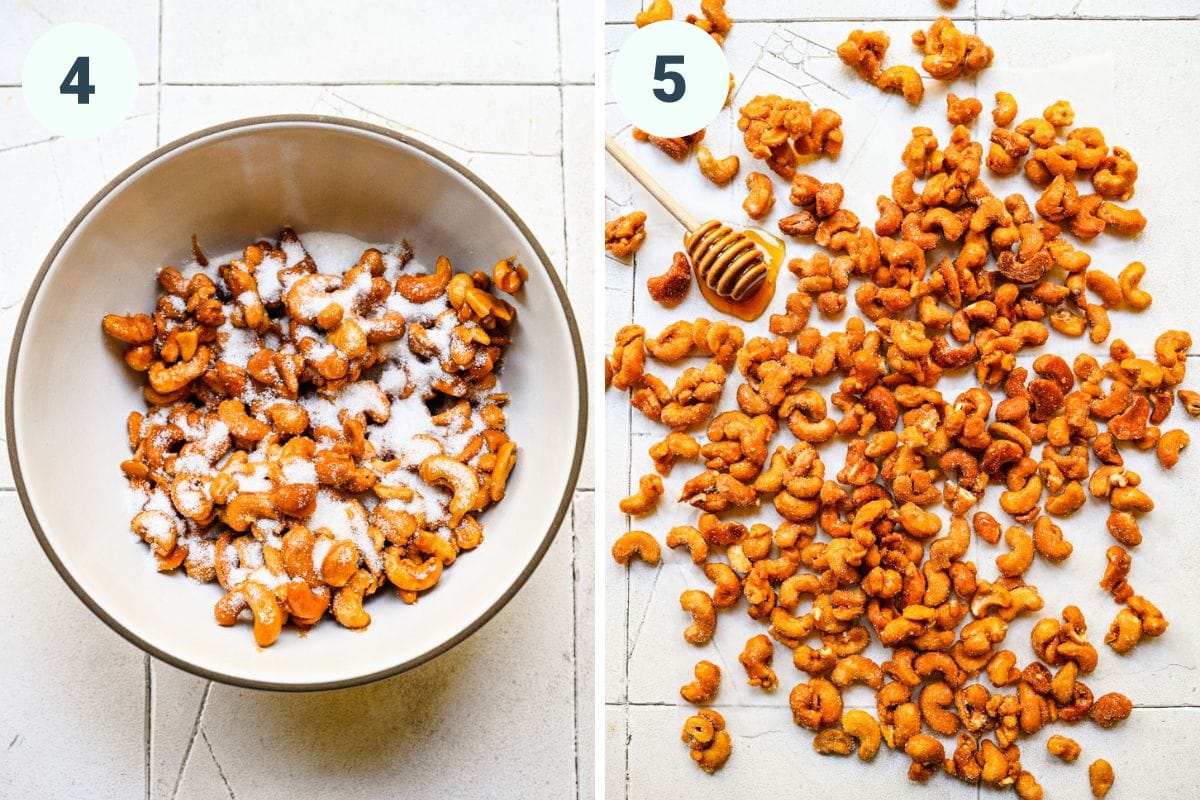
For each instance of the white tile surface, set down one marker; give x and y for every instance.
(771, 755)
(23, 22)
(1114, 81)
(502, 88)
(313, 42)
(74, 691)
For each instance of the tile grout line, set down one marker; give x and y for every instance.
(566, 277)
(158, 86)
(148, 676)
(931, 18)
(147, 720)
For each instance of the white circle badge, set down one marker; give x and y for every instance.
(670, 78)
(80, 80)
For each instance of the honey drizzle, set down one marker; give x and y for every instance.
(753, 306)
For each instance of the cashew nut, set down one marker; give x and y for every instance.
(462, 480)
(639, 543)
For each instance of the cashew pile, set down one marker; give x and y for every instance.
(314, 432)
(951, 280)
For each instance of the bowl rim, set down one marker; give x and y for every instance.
(355, 126)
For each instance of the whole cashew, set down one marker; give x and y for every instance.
(719, 171)
(639, 543)
(348, 602)
(268, 617)
(644, 501)
(704, 688)
(704, 616)
(459, 478)
(423, 288)
(409, 574)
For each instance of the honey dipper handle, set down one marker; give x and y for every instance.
(650, 185)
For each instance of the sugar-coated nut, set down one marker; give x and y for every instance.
(704, 688)
(268, 617)
(926, 753)
(718, 170)
(1005, 111)
(815, 704)
(1063, 748)
(645, 500)
(509, 275)
(1111, 708)
(704, 616)
(780, 130)
(636, 543)
(759, 201)
(673, 285)
(833, 742)
(1100, 776)
(904, 80)
(440, 470)
(864, 52)
(1059, 114)
(1169, 446)
(1136, 298)
(962, 110)
(623, 236)
(658, 11)
(756, 658)
(863, 727)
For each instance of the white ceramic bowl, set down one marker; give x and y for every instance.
(69, 393)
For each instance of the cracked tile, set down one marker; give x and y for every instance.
(72, 721)
(795, 59)
(333, 740)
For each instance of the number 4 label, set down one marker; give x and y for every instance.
(77, 81)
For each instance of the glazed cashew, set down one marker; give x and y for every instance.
(1005, 111)
(508, 275)
(637, 543)
(658, 11)
(863, 727)
(709, 742)
(704, 616)
(692, 539)
(756, 659)
(816, 704)
(1100, 776)
(348, 601)
(902, 79)
(761, 198)
(1063, 747)
(1109, 709)
(409, 574)
(704, 688)
(1136, 298)
(1020, 557)
(1169, 446)
(268, 617)
(719, 171)
(168, 379)
(461, 479)
(650, 490)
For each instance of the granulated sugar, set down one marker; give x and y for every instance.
(393, 397)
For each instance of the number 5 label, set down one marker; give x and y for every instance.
(80, 80)
(670, 78)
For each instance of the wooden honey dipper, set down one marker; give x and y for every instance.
(726, 260)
